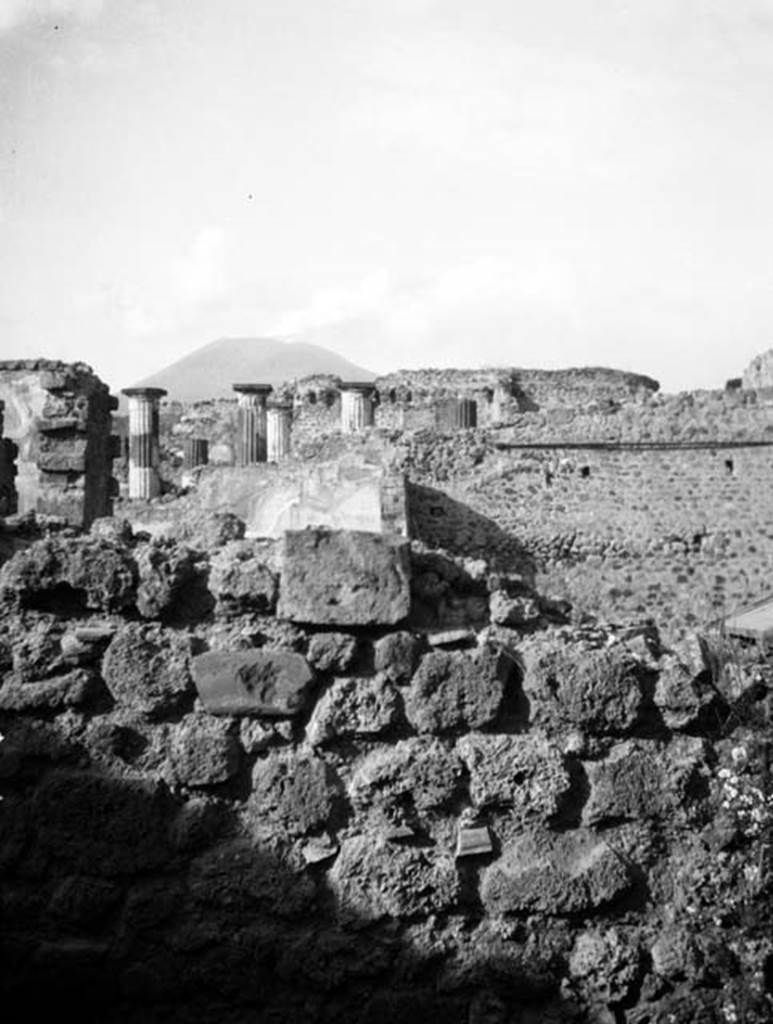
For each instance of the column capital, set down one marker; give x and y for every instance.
(253, 389)
(144, 392)
(364, 386)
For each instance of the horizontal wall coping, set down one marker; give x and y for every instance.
(629, 446)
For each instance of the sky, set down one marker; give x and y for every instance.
(415, 182)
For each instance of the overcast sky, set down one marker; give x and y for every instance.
(515, 182)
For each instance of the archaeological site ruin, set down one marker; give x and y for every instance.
(379, 701)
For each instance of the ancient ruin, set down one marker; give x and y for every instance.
(421, 706)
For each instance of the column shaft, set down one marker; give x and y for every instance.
(195, 452)
(357, 411)
(144, 478)
(278, 428)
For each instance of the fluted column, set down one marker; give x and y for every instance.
(195, 452)
(251, 440)
(144, 478)
(357, 406)
(279, 418)
(466, 413)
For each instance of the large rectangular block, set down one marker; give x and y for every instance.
(344, 577)
(252, 682)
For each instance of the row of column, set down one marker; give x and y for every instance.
(263, 430)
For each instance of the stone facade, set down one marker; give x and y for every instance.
(217, 813)
(59, 417)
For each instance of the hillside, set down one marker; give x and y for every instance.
(209, 371)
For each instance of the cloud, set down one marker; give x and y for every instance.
(16, 12)
(332, 305)
(193, 284)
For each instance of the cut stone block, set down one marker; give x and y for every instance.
(252, 682)
(347, 578)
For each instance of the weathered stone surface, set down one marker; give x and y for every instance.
(165, 568)
(202, 751)
(354, 706)
(252, 682)
(245, 878)
(300, 791)
(146, 668)
(214, 530)
(397, 655)
(333, 652)
(643, 779)
(419, 772)
(454, 689)
(375, 879)
(549, 873)
(597, 690)
(101, 826)
(345, 578)
(240, 579)
(85, 571)
(30, 645)
(604, 966)
(525, 773)
(112, 528)
(686, 700)
(68, 691)
(515, 612)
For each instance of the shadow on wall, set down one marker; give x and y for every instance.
(123, 903)
(440, 521)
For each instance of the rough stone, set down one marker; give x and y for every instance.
(397, 655)
(202, 751)
(456, 689)
(375, 879)
(146, 668)
(686, 700)
(240, 580)
(598, 691)
(354, 706)
(605, 966)
(420, 772)
(68, 691)
(564, 873)
(261, 682)
(643, 779)
(346, 578)
(83, 572)
(525, 773)
(246, 878)
(516, 612)
(300, 791)
(165, 568)
(333, 652)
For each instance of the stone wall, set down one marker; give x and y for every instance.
(416, 400)
(58, 415)
(683, 531)
(344, 781)
(352, 492)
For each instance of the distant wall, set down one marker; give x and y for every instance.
(678, 532)
(348, 493)
(58, 414)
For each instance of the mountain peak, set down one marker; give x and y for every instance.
(209, 371)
